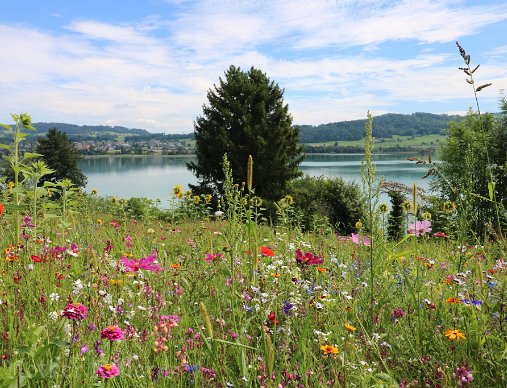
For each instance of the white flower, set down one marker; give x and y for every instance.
(53, 315)
(142, 308)
(54, 297)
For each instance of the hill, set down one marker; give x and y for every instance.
(384, 126)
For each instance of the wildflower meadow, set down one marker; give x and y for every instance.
(97, 292)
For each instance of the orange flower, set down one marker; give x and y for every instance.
(267, 251)
(454, 334)
(453, 300)
(175, 266)
(275, 274)
(350, 328)
(329, 349)
(321, 269)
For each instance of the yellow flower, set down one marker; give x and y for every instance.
(197, 199)
(448, 207)
(188, 193)
(350, 328)
(11, 185)
(178, 191)
(116, 282)
(454, 334)
(329, 349)
(426, 216)
(208, 199)
(407, 206)
(99, 221)
(150, 231)
(175, 266)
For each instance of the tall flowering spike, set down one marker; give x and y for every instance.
(74, 311)
(249, 181)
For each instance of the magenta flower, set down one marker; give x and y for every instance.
(420, 228)
(358, 239)
(107, 371)
(210, 257)
(112, 333)
(308, 258)
(74, 311)
(145, 263)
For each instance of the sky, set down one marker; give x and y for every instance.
(149, 64)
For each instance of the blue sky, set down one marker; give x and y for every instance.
(148, 64)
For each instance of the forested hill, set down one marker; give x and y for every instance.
(387, 125)
(72, 129)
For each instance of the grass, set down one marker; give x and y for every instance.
(206, 318)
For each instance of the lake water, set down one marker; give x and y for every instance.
(155, 176)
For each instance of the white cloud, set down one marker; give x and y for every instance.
(329, 56)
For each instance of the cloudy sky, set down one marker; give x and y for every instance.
(148, 64)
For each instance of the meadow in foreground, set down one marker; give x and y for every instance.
(104, 299)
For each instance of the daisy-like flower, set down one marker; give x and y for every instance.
(420, 227)
(74, 311)
(328, 349)
(453, 300)
(178, 191)
(350, 328)
(145, 263)
(108, 370)
(360, 240)
(454, 334)
(308, 258)
(112, 333)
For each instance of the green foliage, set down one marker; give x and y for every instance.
(386, 126)
(246, 115)
(339, 202)
(395, 220)
(61, 155)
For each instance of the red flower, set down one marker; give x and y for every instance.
(440, 234)
(2, 207)
(272, 318)
(36, 259)
(308, 258)
(267, 251)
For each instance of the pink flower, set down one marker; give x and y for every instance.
(420, 228)
(212, 257)
(74, 311)
(135, 265)
(107, 371)
(441, 234)
(112, 333)
(358, 239)
(308, 258)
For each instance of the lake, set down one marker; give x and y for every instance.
(155, 176)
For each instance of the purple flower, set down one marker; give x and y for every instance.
(84, 349)
(112, 333)
(287, 307)
(420, 228)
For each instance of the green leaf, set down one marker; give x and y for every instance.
(8, 127)
(31, 155)
(5, 146)
(491, 189)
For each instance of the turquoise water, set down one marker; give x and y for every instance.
(154, 176)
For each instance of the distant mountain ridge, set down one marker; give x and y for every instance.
(386, 125)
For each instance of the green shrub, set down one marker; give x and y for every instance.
(338, 201)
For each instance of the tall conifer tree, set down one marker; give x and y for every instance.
(246, 115)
